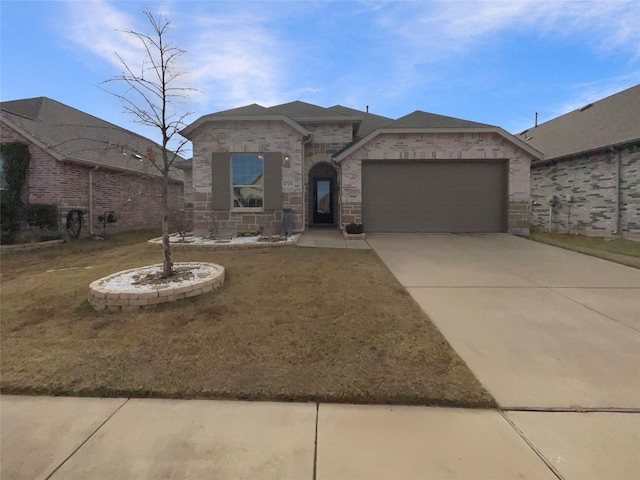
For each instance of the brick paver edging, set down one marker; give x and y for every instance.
(102, 298)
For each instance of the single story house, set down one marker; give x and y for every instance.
(82, 163)
(589, 179)
(335, 166)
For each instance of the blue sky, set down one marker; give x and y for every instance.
(490, 62)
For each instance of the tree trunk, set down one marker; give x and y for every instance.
(167, 266)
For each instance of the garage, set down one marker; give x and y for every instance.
(434, 196)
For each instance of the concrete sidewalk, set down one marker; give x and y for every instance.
(91, 438)
(81, 438)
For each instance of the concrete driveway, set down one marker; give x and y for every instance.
(554, 335)
(541, 327)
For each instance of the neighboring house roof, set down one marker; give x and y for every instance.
(69, 134)
(608, 122)
(423, 122)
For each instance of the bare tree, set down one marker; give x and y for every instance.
(152, 90)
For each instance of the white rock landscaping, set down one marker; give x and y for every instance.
(237, 242)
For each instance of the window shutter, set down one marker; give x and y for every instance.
(220, 181)
(272, 181)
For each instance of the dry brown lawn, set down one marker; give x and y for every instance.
(292, 323)
(619, 250)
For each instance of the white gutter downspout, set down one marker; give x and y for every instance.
(91, 199)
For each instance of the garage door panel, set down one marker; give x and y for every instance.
(434, 197)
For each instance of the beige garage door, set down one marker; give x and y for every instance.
(434, 196)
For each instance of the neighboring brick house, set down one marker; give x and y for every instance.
(591, 166)
(80, 162)
(335, 166)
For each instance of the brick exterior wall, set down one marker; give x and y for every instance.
(135, 199)
(590, 181)
(261, 136)
(441, 146)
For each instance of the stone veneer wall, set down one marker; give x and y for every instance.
(240, 137)
(260, 136)
(327, 139)
(590, 181)
(441, 146)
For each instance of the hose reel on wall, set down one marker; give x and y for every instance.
(108, 217)
(74, 223)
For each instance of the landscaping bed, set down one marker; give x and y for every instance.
(291, 324)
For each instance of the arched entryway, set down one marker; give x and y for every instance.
(323, 197)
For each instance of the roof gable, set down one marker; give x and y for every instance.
(294, 114)
(423, 122)
(607, 122)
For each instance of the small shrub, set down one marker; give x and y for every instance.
(34, 235)
(42, 215)
(354, 228)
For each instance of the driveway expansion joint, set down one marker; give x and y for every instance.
(549, 465)
(86, 440)
(315, 444)
(575, 409)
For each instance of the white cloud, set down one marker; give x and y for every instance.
(96, 27)
(234, 56)
(381, 53)
(236, 60)
(453, 25)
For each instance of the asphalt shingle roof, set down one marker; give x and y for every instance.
(71, 134)
(610, 121)
(420, 119)
(370, 121)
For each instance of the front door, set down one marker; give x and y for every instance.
(323, 200)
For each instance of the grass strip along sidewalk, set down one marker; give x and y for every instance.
(619, 250)
(290, 324)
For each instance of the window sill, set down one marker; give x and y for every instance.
(246, 210)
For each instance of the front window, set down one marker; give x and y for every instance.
(247, 180)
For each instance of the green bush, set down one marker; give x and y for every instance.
(42, 215)
(15, 167)
(354, 228)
